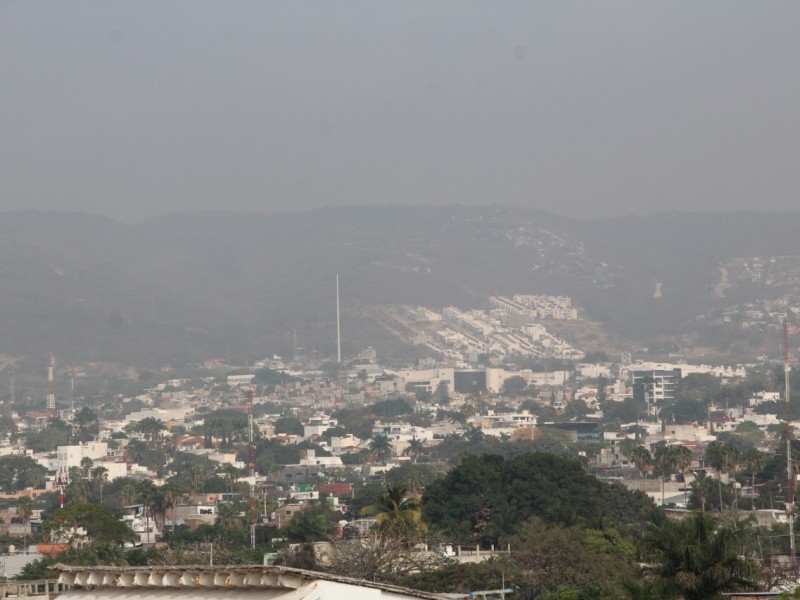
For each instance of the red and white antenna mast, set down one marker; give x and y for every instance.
(790, 477)
(252, 449)
(51, 387)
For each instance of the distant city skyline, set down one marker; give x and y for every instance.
(132, 109)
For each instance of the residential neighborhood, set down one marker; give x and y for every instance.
(289, 452)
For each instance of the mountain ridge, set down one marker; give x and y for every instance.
(182, 286)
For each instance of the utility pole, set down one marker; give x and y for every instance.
(252, 468)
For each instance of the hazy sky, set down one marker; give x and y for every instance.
(582, 108)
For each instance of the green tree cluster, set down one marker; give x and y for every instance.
(227, 425)
(57, 433)
(20, 472)
(487, 497)
(388, 409)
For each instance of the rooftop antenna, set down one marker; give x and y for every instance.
(789, 471)
(51, 387)
(338, 327)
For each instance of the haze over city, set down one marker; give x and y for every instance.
(412, 300)
(132, 109)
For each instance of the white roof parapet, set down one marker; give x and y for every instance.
(198, 577)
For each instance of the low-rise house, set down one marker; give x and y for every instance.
(195, 514)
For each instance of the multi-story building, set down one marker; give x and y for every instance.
(653, 385)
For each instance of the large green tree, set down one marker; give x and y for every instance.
(20, 472)
(487, 497)
(589, 563)
(100, 524)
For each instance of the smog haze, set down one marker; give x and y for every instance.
(133, 109)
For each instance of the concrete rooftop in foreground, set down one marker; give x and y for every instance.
(236, 581)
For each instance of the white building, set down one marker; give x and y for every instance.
(318, 425)
(237, 380)
(71, 456)
(428, 379)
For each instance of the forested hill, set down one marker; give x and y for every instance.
(186, 286)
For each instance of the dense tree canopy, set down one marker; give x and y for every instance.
(57, 433)
(514, 385)
(289, 426)
(487, 497)
(20, 472)
(390, 408)
(100, 524)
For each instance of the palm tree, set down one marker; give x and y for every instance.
(732, 455)
(171, 446)
(381, 447)
(275, 473)
(754, 462)
(231, 473)
(74, 474)
(665, 459)
(86, 465)
(100, 478)
(195, 477)
(397, 514)
(626, 446)
(171, 493)
(127, 494)
(79, 489)
(681, 457)
(701, 488)
(149, 497)
(682, 460)
(415, 449)
(136, 451)
(642, 459)
(719, 455)
(416, 481)
(699, 558)
(24, 508)
(228, 517)
(151, 428)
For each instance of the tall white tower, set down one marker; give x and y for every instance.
(338, 327)
(51, 386)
